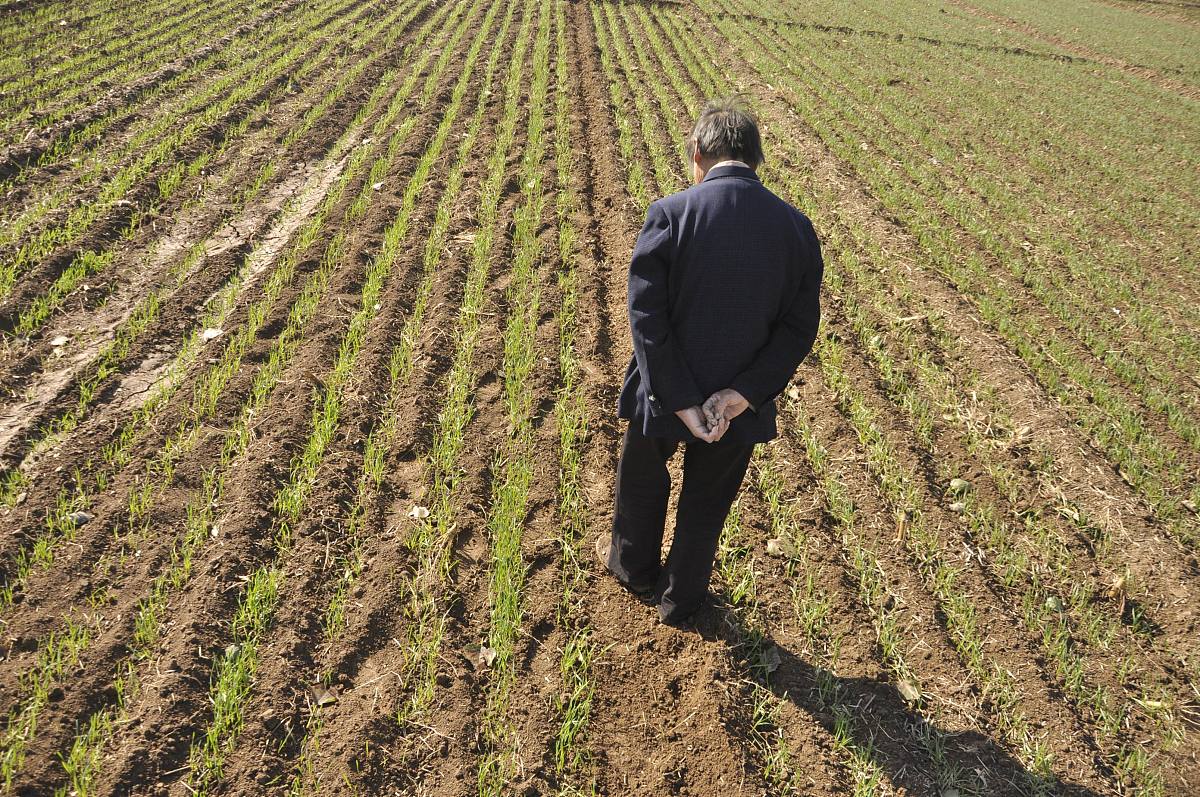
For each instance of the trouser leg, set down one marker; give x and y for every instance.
(712, 475)
(643, 487)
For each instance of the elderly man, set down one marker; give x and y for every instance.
(723, 306)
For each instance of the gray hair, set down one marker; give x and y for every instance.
(727, 130)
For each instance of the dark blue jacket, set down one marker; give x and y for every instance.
(724, 291)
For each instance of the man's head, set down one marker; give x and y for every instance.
(726, 130)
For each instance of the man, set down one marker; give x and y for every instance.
(723, 306)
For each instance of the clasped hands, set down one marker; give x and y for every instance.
(710, 421)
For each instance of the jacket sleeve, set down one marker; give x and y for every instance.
(792, 336)
(661, 364)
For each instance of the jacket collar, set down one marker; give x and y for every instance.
(718, 172)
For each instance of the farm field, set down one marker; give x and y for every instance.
(312, 325)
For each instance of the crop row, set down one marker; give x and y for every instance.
(117, 451)
(157, 145)
(515, 462)
(1043, 618)
(44, 97)
(572, 752)
(35, 313)
(384, 433)
(1145, 460)
(431, 538)
(199, 512)
(318, 99)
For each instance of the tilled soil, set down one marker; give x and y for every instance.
(671, 711)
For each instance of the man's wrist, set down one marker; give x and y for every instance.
(751, 404)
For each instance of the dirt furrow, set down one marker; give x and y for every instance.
(1085, 478)
(150, 262)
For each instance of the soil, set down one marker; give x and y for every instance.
(672, 710)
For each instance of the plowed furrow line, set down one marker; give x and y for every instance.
(961, 734)
(987, 437)
(924, 742)
(135, 44)
(63, 77)
(255, 166)
(200, 511)
(263, 76)
(149, 612)
(1157, 585)
(1128, 435)
(203, 403)
(35, 179)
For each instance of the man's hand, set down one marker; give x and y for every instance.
(724, 405)
(694, 419)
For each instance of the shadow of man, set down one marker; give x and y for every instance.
(878, 725)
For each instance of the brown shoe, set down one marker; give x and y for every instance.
(603, 546)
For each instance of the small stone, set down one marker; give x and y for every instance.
(959, 486)
(958, 507)
(79, 518)
(770, 659)
(212, 332)
(59, 340)
(908, 691)
(322, 696)
(780, 547)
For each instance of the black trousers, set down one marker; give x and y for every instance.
(712, 475)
